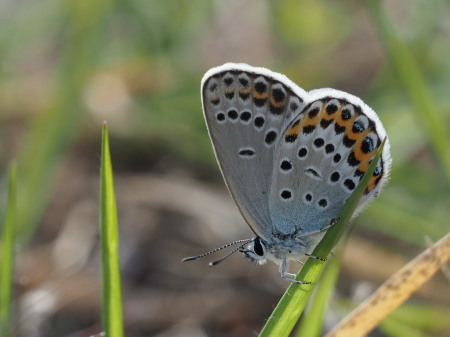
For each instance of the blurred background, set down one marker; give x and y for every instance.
(66, 66)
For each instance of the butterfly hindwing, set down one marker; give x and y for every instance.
(246, 110)
(321, 158)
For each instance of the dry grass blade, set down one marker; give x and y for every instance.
(394, 291)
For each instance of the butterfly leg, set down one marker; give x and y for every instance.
(288, 276)
(320, 230)
(332, 223)
(316, 257)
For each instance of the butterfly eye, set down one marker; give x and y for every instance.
(258, 247)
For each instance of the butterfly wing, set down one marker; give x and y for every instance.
(321, 157)
(246, 109)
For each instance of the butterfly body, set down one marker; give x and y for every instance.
(290, 158)
(291, 247)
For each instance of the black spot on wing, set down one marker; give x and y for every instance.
(228, 81)
(245, 116)
(323, 203)
(319, 142)
(244, 82)
(232, 114)
(247, 152)
(313, 112)
(338, 128)
(220, 117)
(302, 152)
(271, 136)
(329, 148)
(352, 161)
(260, 87)
(308, 129)
(335, 176)
(290, 138)
(286, 194)
(346, 114)
(348, 142)
(367, 145)
(259, 122)
(349, 184)
(313, 172)
(331, 109)
(286, 165)
(229, 95)
(324, 123)
(278, 95)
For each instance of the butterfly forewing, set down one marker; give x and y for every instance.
(246, 110)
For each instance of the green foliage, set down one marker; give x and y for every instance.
(7, 256)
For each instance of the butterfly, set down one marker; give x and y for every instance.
(290, 158)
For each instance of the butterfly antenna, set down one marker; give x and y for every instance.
(243, 242)
(216, 262)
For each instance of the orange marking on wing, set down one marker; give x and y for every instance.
(328, 117)
(263, 95)
(322, 112)
(276, 104)
(345, 123)
(364, 165)
(245, 90)
(307, 121)
(214, 98)
(359, 137)
(348, 128)
(364, 158)
(293, 130)
(339, 119)
(372, 183)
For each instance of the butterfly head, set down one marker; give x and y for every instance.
(255, 251)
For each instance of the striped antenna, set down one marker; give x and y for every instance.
(242, 242)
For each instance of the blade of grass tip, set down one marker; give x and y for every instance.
(312, 321)
(7, 255)
(112, 294)
(288, 310)
(412, 78)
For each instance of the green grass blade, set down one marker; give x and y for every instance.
(7, 256)
(112, 294)
(312, 321)
(291, 305)
(411, 76)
